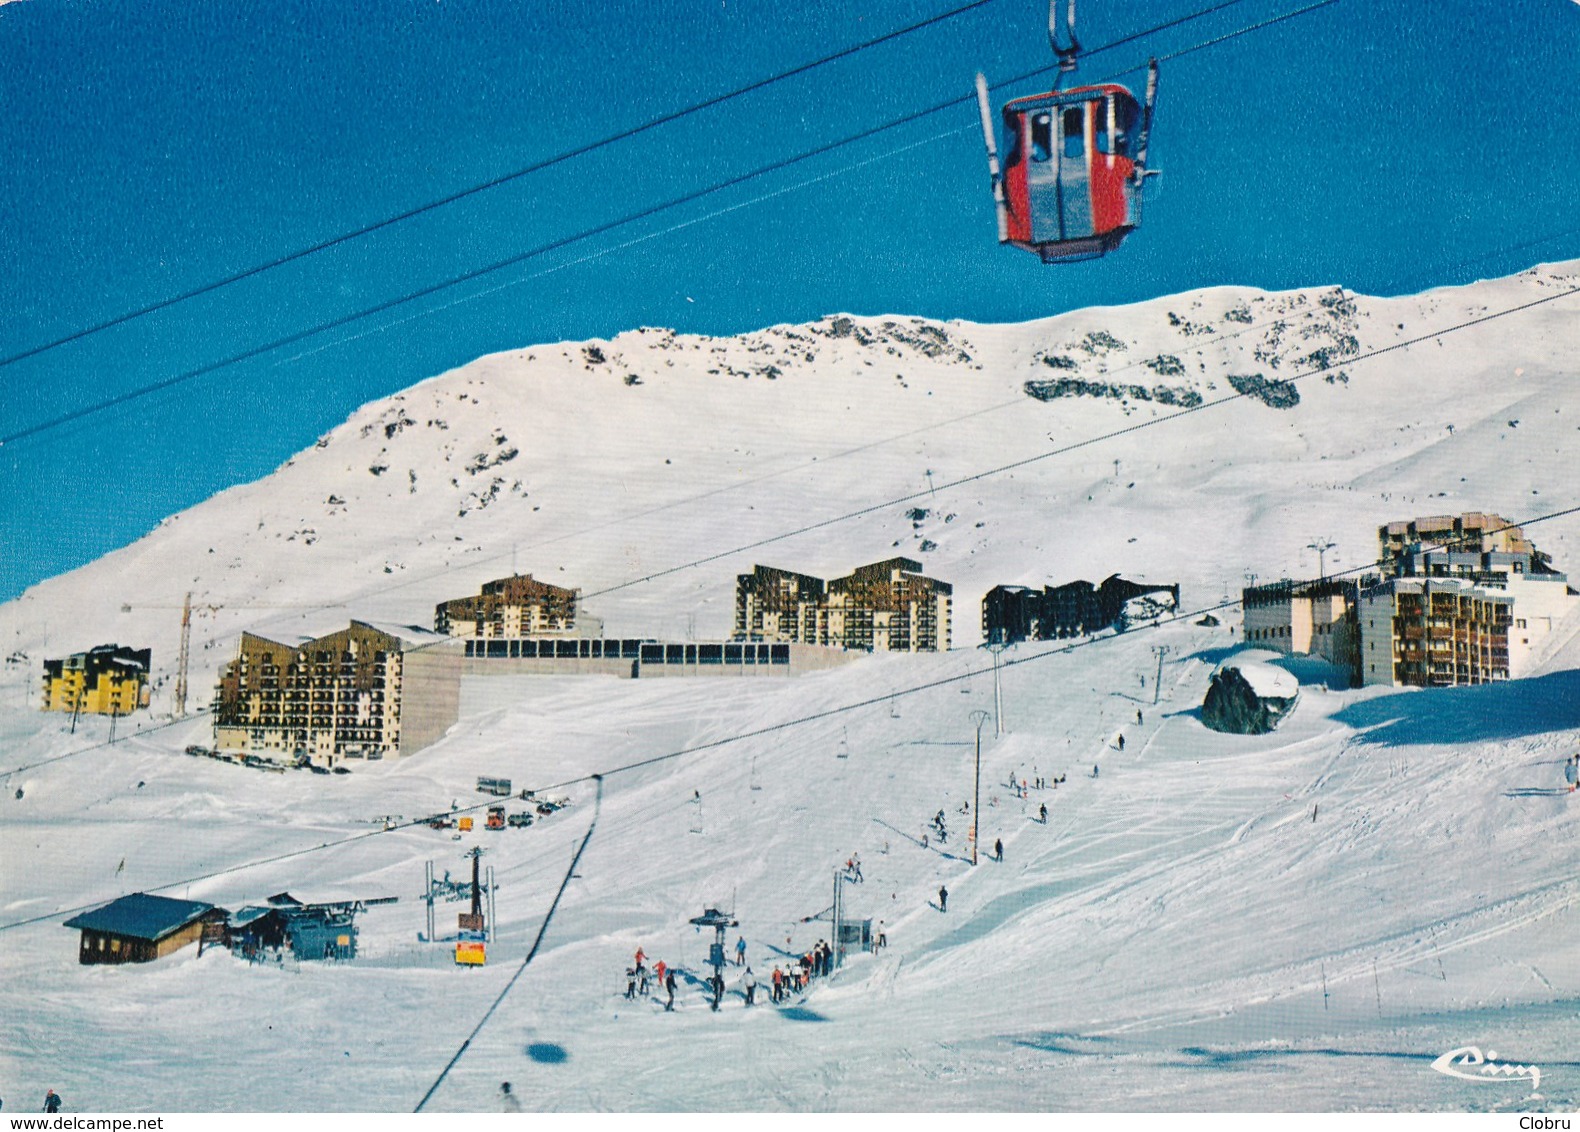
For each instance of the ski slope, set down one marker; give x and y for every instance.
(1302, 920)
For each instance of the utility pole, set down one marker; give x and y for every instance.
(1157, 684)
(839, 949)
(979, 717)
(997, 649)
(181, 663)
(430, 902)
(1321, 546)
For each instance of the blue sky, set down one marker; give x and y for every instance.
(150, 147)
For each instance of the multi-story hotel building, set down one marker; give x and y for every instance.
(106, 680)
(518, 606)
(362, 693)
(887, 606)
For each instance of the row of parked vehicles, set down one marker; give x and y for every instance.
(258, 762)
(497, 816)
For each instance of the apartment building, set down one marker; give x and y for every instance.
(1305, 617)
(365, 692)
(105, 680)
(887, 606)
(1434, 632)
(518, 606)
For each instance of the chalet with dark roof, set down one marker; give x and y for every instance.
(141, 928)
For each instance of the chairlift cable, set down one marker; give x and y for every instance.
(493, 182)
(726, 740)
(588, 233)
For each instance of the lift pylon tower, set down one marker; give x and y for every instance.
(181, 665)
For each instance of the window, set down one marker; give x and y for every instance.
(1041, 136)
(1115, 122)
(1075, 132)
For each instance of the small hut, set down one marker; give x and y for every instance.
(141, 928)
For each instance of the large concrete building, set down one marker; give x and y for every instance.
(365, 692)
(1464, 600)
(780, 605)
(887, 606)
(106, 680)
(1309, 618)
(518, 606)
(1475, 531)
(1434, 632)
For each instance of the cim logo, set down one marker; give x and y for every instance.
(1468, 1063)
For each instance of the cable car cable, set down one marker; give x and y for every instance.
(974, 477)
(562, 242)
(493, 182)
(1068, 448)
(548, 918)
(769, 729)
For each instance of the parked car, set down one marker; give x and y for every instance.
(519, 820)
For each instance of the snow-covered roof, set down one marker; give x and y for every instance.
(1266, 680)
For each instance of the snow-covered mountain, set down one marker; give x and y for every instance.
(1301, 920)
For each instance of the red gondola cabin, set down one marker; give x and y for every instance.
(1070, 184)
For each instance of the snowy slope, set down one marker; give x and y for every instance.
(1299, 920)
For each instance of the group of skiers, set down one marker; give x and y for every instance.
(938, 827)
(787, 979)
(637, 978)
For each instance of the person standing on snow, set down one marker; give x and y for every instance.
(998, 849)
(749, 981)
(1572, 773)
(52, 1101)
(508, 1101)
(943, 899)
(740, 952)
(669, 989)
(777, 991)
(1042, 812)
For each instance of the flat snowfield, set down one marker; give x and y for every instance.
(1305, 920)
